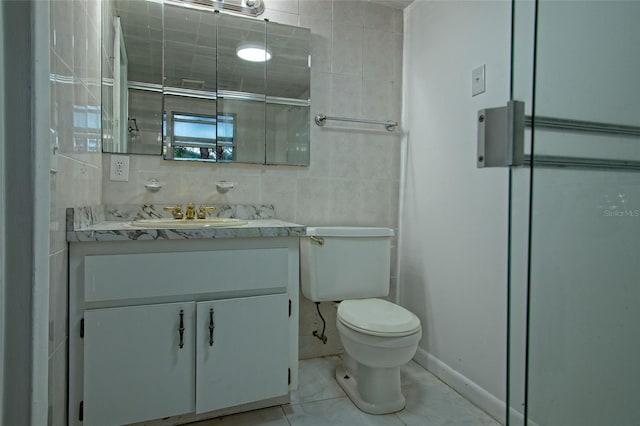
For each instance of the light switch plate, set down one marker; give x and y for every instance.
(478, 80)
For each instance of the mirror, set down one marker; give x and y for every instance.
(191, 97)
(288, 94)
(132, 33)
(190, 84)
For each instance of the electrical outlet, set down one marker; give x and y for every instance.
(119, 168)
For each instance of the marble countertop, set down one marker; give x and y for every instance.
(90, 224)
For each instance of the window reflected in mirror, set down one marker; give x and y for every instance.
(200, 137)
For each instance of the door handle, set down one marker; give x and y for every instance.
(181, 328)
(211, 327)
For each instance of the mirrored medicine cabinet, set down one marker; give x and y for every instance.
(193, 84)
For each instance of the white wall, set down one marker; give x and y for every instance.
(24, 233)
(17, 319)
(453, 237)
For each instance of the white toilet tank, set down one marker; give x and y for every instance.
(340, 263)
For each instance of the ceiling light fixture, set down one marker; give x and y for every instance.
(253, 52)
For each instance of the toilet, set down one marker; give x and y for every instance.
(352, 265)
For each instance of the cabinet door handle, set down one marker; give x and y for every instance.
(211, 327)
(181, 328)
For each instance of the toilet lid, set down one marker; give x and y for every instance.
(377, 317)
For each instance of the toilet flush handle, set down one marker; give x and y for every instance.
(318, 240)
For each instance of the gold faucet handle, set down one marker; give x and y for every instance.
(175, 210)
(203, 209)
(191, 211)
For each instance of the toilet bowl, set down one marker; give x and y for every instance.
(378, 338)
(352, 264)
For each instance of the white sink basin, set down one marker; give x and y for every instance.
(191, 223)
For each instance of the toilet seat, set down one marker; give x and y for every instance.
(377, 317)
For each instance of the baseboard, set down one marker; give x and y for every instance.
(486, 401)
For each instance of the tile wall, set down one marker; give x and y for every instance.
(354, 174)
(76, 177)
(352, 180)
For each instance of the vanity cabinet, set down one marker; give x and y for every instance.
(178, 328)
(133, 366)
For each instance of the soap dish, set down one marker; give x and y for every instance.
(223, 186)
(153, 185)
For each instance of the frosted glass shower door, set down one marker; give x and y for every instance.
(574, 340)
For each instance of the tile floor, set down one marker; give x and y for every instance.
(320, 401)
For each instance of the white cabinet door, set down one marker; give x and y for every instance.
(136, 365)
(246, 358)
